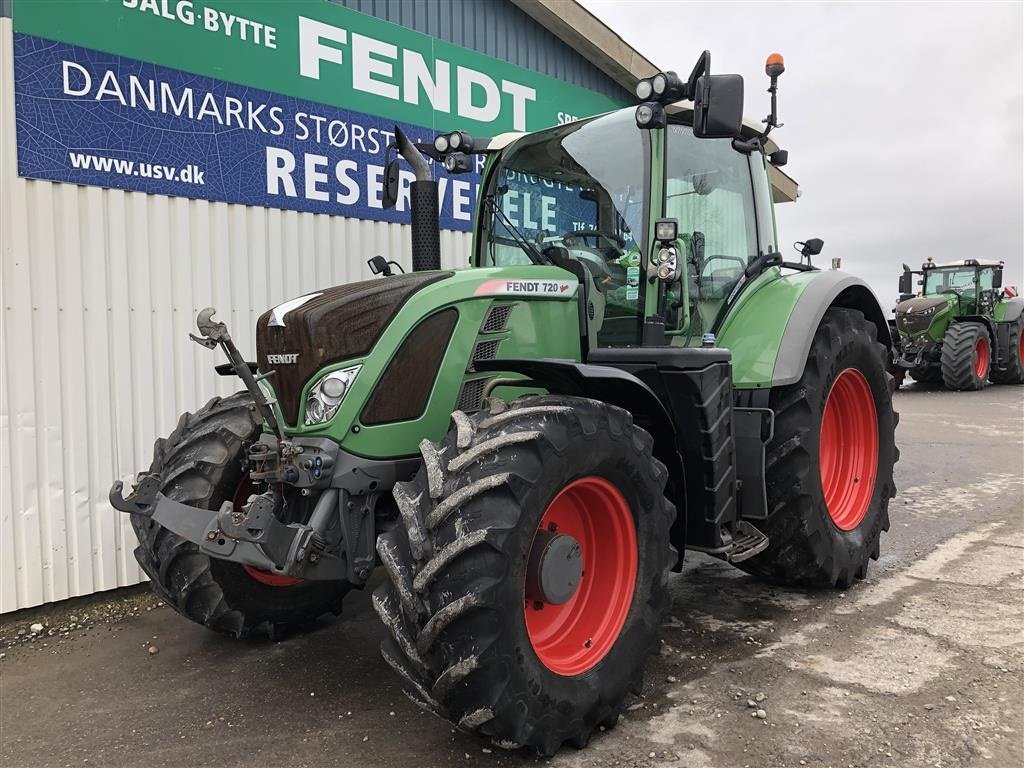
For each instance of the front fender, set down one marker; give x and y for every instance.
(770, 329)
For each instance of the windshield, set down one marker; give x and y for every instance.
(576, 194)
(964, 283)
(961, 281)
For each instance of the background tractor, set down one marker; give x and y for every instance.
(963, 330)
(630, 369)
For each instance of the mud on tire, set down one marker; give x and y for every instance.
(201, 463)
(807, 547)
(454, 600)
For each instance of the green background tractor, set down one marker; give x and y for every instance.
(629, 370)
(964, 330)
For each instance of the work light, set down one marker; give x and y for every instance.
(650, 114)
(441, 143)
(643, 89)
(666, 230)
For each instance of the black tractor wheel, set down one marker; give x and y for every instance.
(1013, 372)
(966, 356)
(527, 578)
(201, 463)
(830, 461)
(927, 374)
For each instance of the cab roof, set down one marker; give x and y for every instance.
(966, 263)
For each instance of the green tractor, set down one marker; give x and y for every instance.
(527, 447)
(964, 329)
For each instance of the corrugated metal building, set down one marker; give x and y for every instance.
(100, 288)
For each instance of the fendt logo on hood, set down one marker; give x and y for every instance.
(287, 358)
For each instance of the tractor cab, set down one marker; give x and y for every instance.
(578, 196)
(664, 212)
(971, 285)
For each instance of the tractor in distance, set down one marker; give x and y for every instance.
(963, 330)
(630, 369)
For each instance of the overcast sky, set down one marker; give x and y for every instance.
(903, 121)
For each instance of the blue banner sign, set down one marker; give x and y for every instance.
(94, 118)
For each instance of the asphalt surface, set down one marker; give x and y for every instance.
(921, 665)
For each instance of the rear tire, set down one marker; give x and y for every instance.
(966, 357)
(1013, 373)
(462, 636)
(201, 463)
(823, 525)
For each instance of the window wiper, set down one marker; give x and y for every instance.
(520, 239)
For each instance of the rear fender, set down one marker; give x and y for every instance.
(1008, 310)
(770, 329)
(827, 290)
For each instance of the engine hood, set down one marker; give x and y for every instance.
(929, 304)
(299, 337)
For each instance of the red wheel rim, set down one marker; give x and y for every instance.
(242, 492)
(848, 449)
(572, 638)
(1020, 345)
(981, 358)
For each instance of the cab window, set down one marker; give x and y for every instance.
(709, 191)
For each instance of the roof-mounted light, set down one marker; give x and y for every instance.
(774, 65)
(664, 87)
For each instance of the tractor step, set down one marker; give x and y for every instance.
(748, 542)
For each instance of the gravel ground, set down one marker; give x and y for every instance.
(921, 665)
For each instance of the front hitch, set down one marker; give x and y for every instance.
(251, 535)
(139, 502)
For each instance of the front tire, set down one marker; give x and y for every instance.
(966, 357)
(470, 636)
(201, 463)
(830, 461)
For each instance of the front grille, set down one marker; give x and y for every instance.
(496, 319)
(484, 350)
(472, 395)
(914, 323)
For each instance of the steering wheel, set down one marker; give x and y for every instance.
(618, 241)
(717, 257)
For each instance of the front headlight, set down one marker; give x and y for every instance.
(927, 311)
(326, 395)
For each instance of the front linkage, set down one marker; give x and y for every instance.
(254, 535)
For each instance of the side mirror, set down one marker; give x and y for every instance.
(389, 196)
(906, 283)
(812, 247)
(779, 158)
(997, 278)
(718, 107)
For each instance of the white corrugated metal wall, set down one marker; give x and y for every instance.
(100, 289)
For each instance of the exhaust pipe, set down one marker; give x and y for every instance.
(426, 227)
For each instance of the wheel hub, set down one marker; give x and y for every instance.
(580, 576)
(555, 568)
